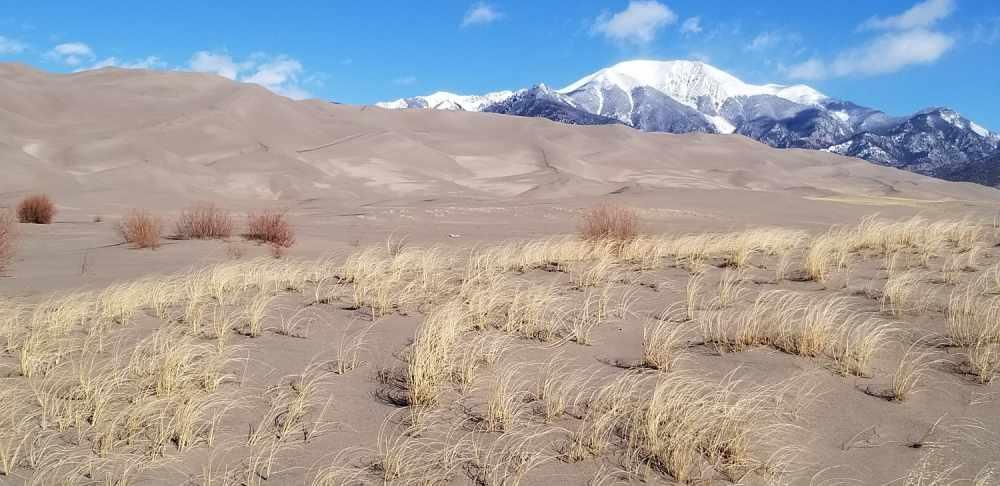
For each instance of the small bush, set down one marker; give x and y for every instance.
(270, 226)
(8, 226)
(610, 222)
(204, 222)
(36, 209)
(140, 229)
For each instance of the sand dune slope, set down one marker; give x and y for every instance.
(124, 137)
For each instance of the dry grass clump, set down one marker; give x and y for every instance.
(913, 368)
(926, 238)
(679, 424)
(826, 254)
(973, 318)
(610, 222)
(984, 360)
(663, 344)
(903, 292)
(270, 226)
(141, 229)
(802, 325)
(8, 235)
(205, 221)
(36, 209)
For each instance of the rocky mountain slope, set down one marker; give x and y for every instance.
(688, 96)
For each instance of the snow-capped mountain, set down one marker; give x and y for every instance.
(935, 141)
(694, 84)
(689, 96)
(442, 100)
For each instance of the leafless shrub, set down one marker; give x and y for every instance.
(141, 229)
(36, 209)
(270, 226)
(610, 222)
(204, 221)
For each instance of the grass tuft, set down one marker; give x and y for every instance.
(8, 237)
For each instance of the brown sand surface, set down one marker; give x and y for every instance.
(452, 186)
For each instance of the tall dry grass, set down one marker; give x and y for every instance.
(36, 209)
(8, 239)
(802, 325)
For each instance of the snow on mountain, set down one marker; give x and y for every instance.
(443, 100)
(689, 82)
(690, 96)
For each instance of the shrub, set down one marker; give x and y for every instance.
(141, 229)
(610, 222)
(36, 209)
(8, 226)
(270, 226)
(205, 221)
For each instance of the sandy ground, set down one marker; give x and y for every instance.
(352, 178)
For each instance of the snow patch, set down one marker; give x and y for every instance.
(721, 124)
(689, 81)
(443, 100)
(982, 132)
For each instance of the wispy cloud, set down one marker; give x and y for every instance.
(691, 25)
(921, 15)
(910, 40)
(11, 46)
(280, 74)
(481, 13)
(637, 24)
(405, 80)
(149, 62)
(885, 54)
(218, 63)
(71, 54)
(772, 38)
(986, 32)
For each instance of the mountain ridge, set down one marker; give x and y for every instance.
(683, 96)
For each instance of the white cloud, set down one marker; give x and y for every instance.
(215, 63)
(11, 46)
(71, 54)
(150, 62)
(637, 24)
(921, 15)
(769, 39)
(691, 26)
(811, 69)
(405, 81)
(280, 74)
(481, 13)
(909, 42)
(885, 54)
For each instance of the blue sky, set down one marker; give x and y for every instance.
(895, 55)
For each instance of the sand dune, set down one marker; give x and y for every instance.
(862, 355)
(160, 138)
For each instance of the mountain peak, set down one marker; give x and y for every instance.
(689, 82)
